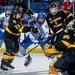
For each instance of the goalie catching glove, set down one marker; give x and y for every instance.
(49, 51)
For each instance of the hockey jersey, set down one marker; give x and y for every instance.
(67, 7)
(3, 20)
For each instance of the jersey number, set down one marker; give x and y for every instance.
(66, 37)
(17, 26)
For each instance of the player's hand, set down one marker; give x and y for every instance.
(50, 37)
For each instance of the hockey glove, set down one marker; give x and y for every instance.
(34, 30)
(50, 37)
(28, 11)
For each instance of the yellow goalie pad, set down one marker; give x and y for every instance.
(53, 70)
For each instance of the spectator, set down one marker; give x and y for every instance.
(67, 6)
(1, 9)
(12, 2)
(4, 2)
(35, 0)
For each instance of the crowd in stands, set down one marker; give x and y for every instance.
(66, 5)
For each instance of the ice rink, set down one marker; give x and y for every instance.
(39, 65)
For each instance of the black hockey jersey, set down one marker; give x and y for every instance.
(15, 27)
(66, 41)
(56, 22)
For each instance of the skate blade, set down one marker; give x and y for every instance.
(9, 71)
(28, 63)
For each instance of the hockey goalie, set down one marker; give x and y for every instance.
(64, 50)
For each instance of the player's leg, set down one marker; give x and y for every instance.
(6, 56)
(27, 56)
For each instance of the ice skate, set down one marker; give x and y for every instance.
(28, 61)
(10, 66)
(4, 67)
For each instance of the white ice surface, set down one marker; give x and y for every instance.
(39, 64)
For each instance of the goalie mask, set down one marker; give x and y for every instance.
(53, 7)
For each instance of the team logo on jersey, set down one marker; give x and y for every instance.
(14, 21)
(46, 26)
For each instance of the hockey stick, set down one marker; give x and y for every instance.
(32, 49)
(27, 52)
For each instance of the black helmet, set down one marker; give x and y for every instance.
(53, 5)
(18, 10)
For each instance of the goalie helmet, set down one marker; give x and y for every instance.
(53, 7)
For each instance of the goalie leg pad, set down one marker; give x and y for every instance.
(65, 61)
(72, 70)
(61, 64)
(53, 70)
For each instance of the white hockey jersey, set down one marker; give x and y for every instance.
(3, 20)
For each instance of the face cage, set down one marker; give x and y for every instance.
(53, 13)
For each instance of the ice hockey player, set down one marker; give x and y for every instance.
(65, 45)
(38, 38)
(12, 32)
(56, 19)
(3, 20)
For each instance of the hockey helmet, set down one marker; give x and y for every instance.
(53, 7)
(41, 18)
(18, 10)
(41, 15)
(7, 8)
